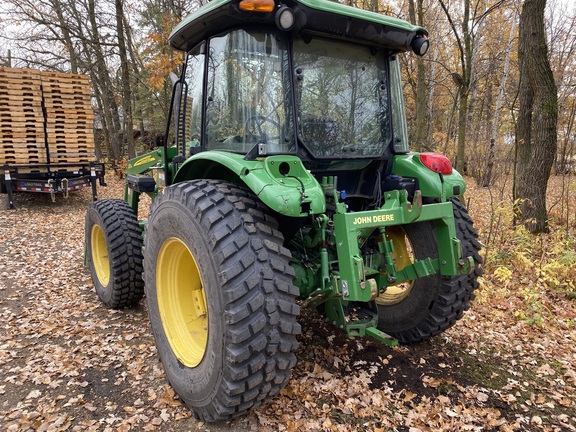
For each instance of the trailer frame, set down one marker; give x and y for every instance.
(52, 178)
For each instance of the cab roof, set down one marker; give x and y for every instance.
(322, 17)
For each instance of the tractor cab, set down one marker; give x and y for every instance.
(317, 98)
(265, 78)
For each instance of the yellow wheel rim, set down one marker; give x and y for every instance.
(182, 302)
(100, 255)
(403, 255)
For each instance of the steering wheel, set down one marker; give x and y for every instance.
(254, 127)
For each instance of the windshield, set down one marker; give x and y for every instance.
(342, 96)
(248, 93)
(343, 109)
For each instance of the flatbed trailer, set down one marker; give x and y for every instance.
(51, 178)
(46, 133)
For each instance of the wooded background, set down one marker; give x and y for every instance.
(463, 99)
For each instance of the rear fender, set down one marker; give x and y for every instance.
(430, 183)
(281, 182)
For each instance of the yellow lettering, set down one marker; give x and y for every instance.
(379, 218)
(387, 218)
(362, 220)
(144, 160)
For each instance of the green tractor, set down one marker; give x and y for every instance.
(285, 180)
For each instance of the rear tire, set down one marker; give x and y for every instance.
(436, 302)
(220, 296)
(113, 241)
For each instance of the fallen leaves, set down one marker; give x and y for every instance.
(67, 363)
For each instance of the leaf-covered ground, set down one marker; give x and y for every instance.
(67, 363)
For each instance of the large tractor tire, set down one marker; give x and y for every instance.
(113, 241)
(417, 310)
(220, 295)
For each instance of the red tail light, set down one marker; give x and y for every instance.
(436, 162)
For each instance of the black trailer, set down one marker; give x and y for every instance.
(59, 178)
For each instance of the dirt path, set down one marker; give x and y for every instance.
(67, 363)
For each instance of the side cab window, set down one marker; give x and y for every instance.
(191, 102)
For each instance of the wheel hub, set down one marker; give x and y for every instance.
(403, 255)
(182, 302)
(100, 255)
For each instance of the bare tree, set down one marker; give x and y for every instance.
(420, 140)
(125, 81)
(464, 41)
(465, 37)
(487, 175)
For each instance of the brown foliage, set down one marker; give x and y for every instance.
(67, 363)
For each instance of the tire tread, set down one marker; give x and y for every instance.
(456, 292)
(124, 242)
(260, 311)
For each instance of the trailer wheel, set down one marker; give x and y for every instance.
(113, 241)
(220, 295)
(420, 309)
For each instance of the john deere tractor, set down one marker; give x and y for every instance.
(285, 181)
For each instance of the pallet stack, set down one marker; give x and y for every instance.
(45, 117)
(69, 117)
(22, 137)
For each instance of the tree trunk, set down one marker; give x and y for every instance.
(564, 159)
(106, 89)
(137, 67)
(487, 177)
(462, 79)
(126, 88)
(462, 123)
(450, 124)
(420, 138)
(66, 37)
(430, 90)
(537, 118)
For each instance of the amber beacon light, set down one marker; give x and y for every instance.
(257, 5)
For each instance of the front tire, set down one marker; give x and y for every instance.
(432, 304)
(221, 298)
(113, 241)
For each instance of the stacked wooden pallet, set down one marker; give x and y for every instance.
(22, 138)
(45, 117)
(69, 117)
